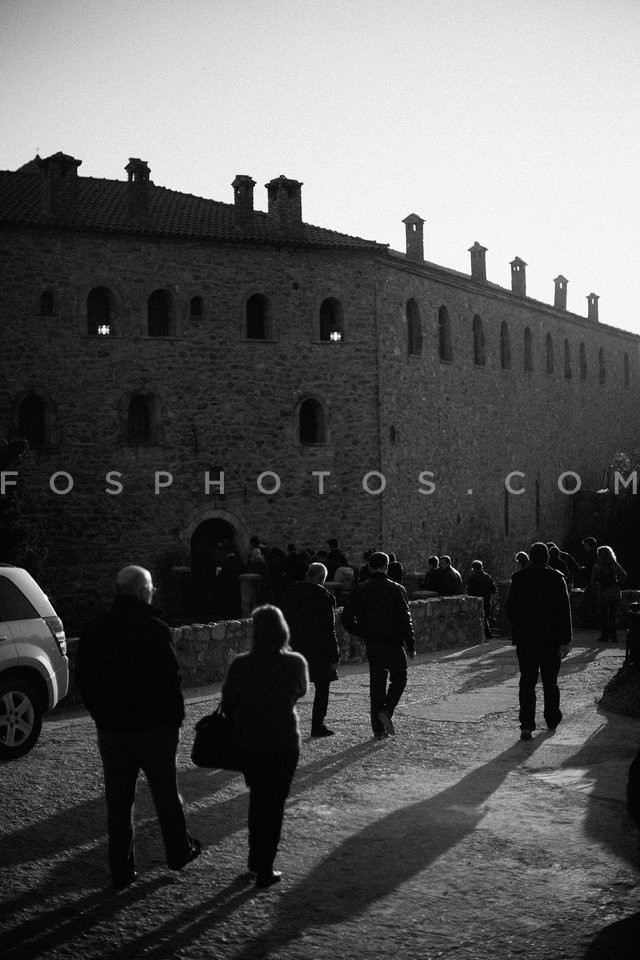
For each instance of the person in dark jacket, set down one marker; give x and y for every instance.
(396, 570)
(259, 694)
(480, 584)
(309, 611)
(607, 579)
(432, 576)
(128, 676)
(539, 611)
(378, 612)
(449, 579)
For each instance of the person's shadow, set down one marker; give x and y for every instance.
(373, 863)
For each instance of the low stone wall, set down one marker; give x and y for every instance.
(205, 650)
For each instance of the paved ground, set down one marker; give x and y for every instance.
(451, 840)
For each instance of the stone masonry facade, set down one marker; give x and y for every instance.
(398, 382)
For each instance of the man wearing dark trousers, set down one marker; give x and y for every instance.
(128, 676)
(378, 612)
(308, 608)
(539, 611)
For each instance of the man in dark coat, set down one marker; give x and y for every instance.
(449, 579)
(539, 611)
(378, 611)
(309, 610)
(128, 676)
(480, 584)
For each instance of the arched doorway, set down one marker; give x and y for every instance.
(211, 541)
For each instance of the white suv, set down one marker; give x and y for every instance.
(34, 670)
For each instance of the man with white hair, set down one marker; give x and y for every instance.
(128, 676)
(309, 608)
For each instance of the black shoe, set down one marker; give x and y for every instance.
(526, 735)
(322, 732)
(196, 847)
(387, 723)
(121, 883)
(383, 735)
(268, 878)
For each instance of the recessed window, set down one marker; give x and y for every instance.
(583, 362)
(47, 303)
(414, 329)
(331, 324)
(99, 313)
(258, 318)
(195, 308)
(549, 353)
(627, 375)
(479, 353)
(311, 422)
(528, 350)
(32, 420)
(602, 373)
(505, 346)
(141, 421)
(567, 361)
(160, 314)
(445, 348)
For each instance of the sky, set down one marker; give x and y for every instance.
(515, 123)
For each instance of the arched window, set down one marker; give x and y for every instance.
(479, 354)
(445, 349)
(311, 424)
(602, 373)
(549, 353)
(195, 307)
(627, 375)
(414, 329)
(47, 303)
(99, 319)
(331, 326)
(141, 421)
(258, 316)
(528, 350)
(567, 361)
(583, 362)
(32, 420)
(160, 314)
(505, 346)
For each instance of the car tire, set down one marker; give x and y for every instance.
(20, 718)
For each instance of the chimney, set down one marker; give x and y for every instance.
(560, 300)
(59, 175)
(415, 241)
(592, 306)
(138, 190)
(518, 277)
(243, 202)
(285, 205)
(478, 265)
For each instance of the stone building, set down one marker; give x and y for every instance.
(190, 373)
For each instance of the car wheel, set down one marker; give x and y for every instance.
(20, 718)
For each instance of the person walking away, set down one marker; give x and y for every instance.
(539, 611)
(378, 612)
(309, 610)
(480, 584)
(345, 576)
(259, 694)
(607, 577)
(128, 676)
(396, 570)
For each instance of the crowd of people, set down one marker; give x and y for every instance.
(129, 678)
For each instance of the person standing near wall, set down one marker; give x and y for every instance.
(480, 584)
(607, 578)
(259, 694)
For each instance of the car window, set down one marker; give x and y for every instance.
(13, 603)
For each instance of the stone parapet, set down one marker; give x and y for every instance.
(205, 650)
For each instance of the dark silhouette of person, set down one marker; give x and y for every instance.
(128, 676)
(432, 577)
(396, 570)
(480, 584)
(449, 579)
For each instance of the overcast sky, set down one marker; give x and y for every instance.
(511, 122)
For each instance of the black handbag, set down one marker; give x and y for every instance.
(214, 745)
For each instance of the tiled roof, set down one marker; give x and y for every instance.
(104, 205)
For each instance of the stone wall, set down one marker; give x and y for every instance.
(206, 650)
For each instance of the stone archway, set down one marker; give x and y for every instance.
(212, 540)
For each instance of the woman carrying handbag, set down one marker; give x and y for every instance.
(259, 696)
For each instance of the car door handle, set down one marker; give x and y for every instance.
(3, 638)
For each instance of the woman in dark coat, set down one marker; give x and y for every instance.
(259, 695)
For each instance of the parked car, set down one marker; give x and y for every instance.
(34, 670)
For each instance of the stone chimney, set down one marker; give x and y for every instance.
(59, 178)
(415, 241)
(139, 187)
(592, 307)
(478, 264)
(560, 300)
(518, 277)
(243, 202)
(285, 205)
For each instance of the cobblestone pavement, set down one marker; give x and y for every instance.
(452, 839)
